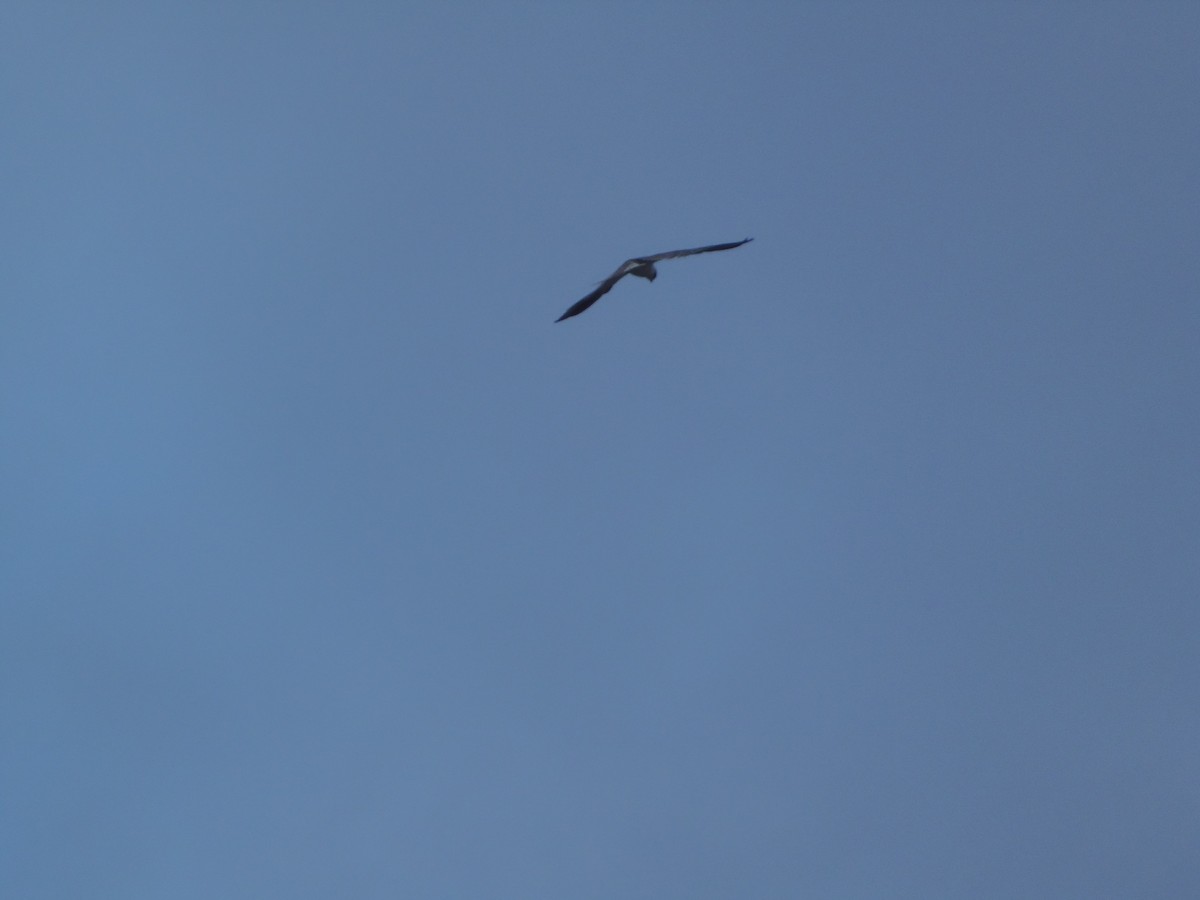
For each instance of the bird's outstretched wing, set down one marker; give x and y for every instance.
(674, 254)
(601, 289)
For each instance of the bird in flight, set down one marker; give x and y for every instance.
(642, 267)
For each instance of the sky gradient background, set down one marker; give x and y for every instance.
(861, 561)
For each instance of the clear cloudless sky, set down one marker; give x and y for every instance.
(861, 561)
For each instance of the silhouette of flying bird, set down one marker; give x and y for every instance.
(642, 267)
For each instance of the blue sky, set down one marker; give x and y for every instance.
(860, 561)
